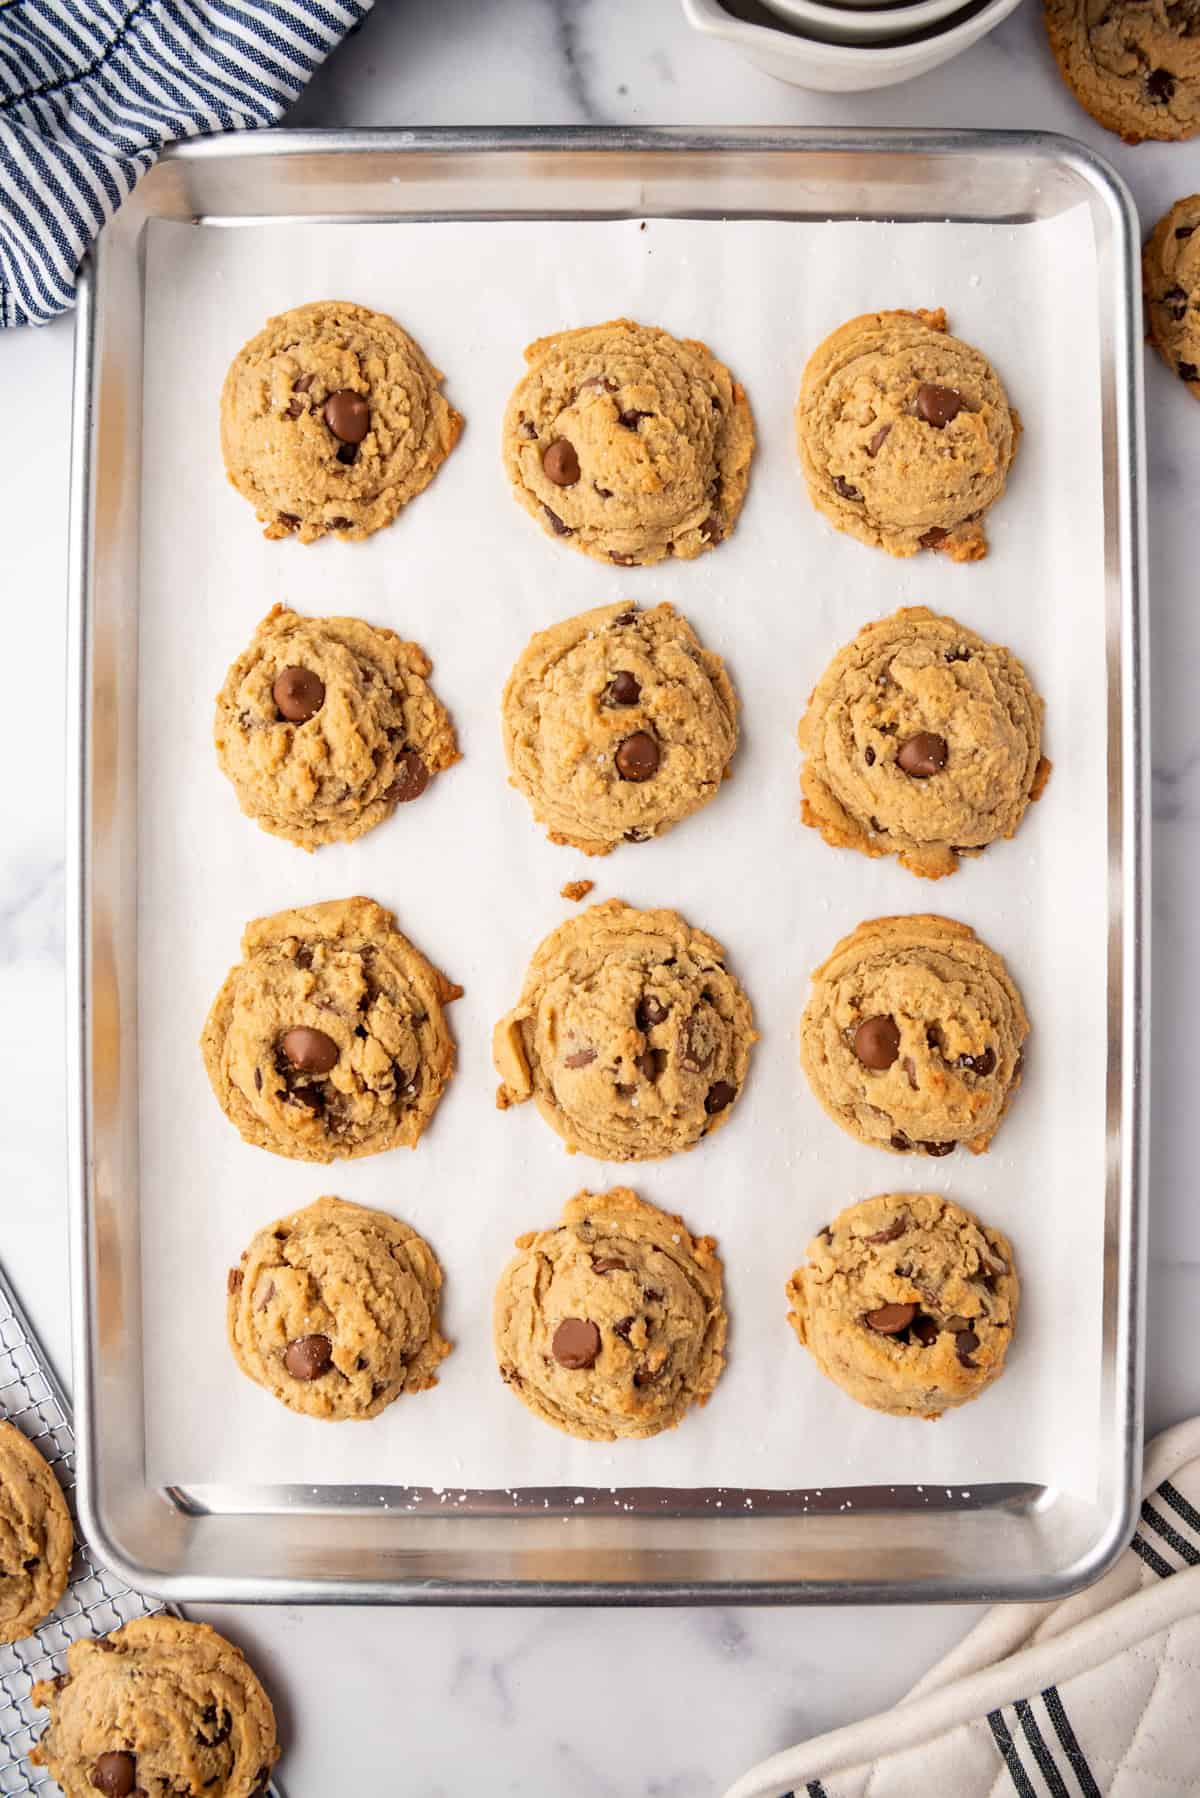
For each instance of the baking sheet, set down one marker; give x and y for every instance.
(473, 881)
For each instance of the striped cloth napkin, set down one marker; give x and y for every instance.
(1097, 1696)
(90, 91)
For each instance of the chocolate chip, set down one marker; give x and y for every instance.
(560, 464)
(932, 537)
(576, 1342)
(1182, 231)
(889, 1320)
(341, 524)
(623, 689)
(631, 419)
(295, 407)
(233, 1281)
(877, 442)
(869, 756)
(910, 1068)
(923, 755)
(694, 1052)
(604, 492)
(298, 693)
(115, 1774)
(528, 431)
(624, 618)
(410, 779)
(637, 758)
(877, 1043)
(348, 415)
(978, 1064)
(625, 1091)
(719, 1096)
(31, 1563)
(579, 1058)
(650, 1063)
(608, 1264)
(938, 1149)
(258, 1080)
(308, 1357)
(965, 1344)
(597, 384)
(560, 529)
(650, 1011)
(900, 1142)
(303, 384)
(637, 836)
(220, 1729)
(957, 655)
(348, 454)
(622, 1327)
(710, 530)
(896, 1228)
(1160, 85)
(938, 405)
(288, 520)
(311, 1051)
(845, 489)
(1188, 371)
(925, 1330)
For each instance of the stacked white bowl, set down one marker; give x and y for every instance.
(846, 46)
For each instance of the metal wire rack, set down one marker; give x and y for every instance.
(95, 1601)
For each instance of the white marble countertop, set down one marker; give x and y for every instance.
(581, 1704)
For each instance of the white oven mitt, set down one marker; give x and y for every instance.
(1097, 1694)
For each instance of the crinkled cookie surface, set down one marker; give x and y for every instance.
(36, 1539)
(905, 434)
(611, 1324)
(921, 740)
(618, 724)
(908, 1303)
(332, 420)
(628, 443)
(1171, 286)
(1133, 64)
(631, 1035)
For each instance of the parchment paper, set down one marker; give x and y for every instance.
(474, 882)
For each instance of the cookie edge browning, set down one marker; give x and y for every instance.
(734, 485)
(967, 541)
(418, 663)
(449, 423)
(796, 1290)
(618, 1202)
(823, 811)
(423, 1365)
(934, 928)
(1151, 252)
(535, 661)
(60, 1532)
(171, 1629)
(510, 1055)
(276, 927)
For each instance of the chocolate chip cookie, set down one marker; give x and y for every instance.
(328, 1038)
(326, 725)
(905, 434)
(331, 421)
(629, 444)
(1171, 286)
(631, 1036)
(611, 1325)
(921, 740)
(618, 724)
(912, 1036)
(908, 1303)
(1133, 64)
(36, 1540)
(335, 1311)
(159, 1707)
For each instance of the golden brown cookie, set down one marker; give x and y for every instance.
(160, 1706)
(1171, 286)
(611, 1325)
(36, 1539)
(913, 1036)
(627, 443)
(617, 724)
(331, 421)
(908, 1303)
(335, 1311)
(905, 434)
(631, 1036)
(325, 725)
(328, 1038)
(1133, 64)
(921, 740)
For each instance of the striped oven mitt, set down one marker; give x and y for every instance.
(90, 91)
(1096, 1695)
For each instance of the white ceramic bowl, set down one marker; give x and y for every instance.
(844, 68)
(849, 22)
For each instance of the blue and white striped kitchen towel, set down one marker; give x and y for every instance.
(91, 90)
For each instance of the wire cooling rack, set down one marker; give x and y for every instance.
(95, 1601)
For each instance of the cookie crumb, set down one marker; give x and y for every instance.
(577, 889)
